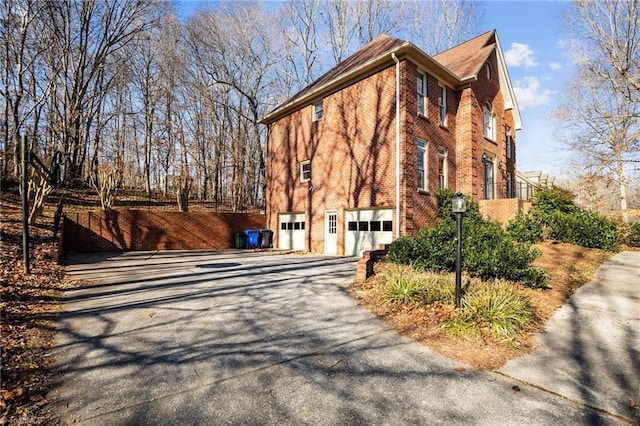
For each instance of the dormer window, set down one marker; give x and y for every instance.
(318, 111)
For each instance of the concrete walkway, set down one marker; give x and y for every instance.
(246, 338)
(590, 350)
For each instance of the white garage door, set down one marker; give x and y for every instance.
(367, 229)
(291, 233)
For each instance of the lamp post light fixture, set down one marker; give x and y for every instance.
(459, 208)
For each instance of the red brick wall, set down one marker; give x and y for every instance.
(352, 151)
(480, 92)
(503, 210)
(121, 229)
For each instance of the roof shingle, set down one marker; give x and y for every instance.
(467, 58)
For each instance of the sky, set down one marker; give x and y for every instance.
(535, 48)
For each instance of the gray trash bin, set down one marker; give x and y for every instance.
(267, 238)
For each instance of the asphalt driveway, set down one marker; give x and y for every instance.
(168, 338)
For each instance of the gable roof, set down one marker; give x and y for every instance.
(459, 66)
(466, 59)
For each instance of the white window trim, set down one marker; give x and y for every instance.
(302, 173)
(421, 97)
(488, 109)
(424, 182)
(442, 104)
(318, 113)
(509, 142)
(442, 156)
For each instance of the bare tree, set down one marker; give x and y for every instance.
(375, 17)
(106, 179)
(338, 20)
(232, 56)
(301, 39)
(601, 112)
(88, 33)
(437, 25)
(21, 53)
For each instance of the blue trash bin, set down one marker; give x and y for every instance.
(252, 238)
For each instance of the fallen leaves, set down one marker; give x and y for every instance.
(424, 323)
(28, 305)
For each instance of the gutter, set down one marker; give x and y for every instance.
(395, 59)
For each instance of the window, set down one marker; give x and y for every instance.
(442, 167)
(387, 225)
(352, 226)
(375, 226)
(488, 70)
(509, 186)
(421, 164)
(508, 142)
(488, 121)
(305, 171)
(442, 104)
(363, 226)
(422, 94)
(318, 111)
(333, 223)
(489, 176)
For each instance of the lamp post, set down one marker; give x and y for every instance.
(459, 207)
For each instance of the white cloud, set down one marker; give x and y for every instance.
(555, 66)
(530, 93)
(520, 55)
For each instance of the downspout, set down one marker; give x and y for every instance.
(395, 58)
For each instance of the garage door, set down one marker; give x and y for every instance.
(367, 229)
(291, 235)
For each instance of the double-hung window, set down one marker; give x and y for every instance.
(305, 171)
(442, 104)
(442, 167)
(422, 165)
(488, 121)
(318, 111)
(422, 93)
(508, 142)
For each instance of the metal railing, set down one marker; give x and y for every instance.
(520, 190)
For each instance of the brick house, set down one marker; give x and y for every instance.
(354, 159)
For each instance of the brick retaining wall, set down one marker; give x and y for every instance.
(122, 229)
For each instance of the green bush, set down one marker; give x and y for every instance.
(584, 228)
(553, 199)
(499, 307)
(632, 235)
(554, 215)
(491, 253)
(526, 228)
(488, 252)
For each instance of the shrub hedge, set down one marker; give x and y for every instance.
(489, 252)
(554, 215)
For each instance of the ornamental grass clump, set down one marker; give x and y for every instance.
(499, 308)
(405, 285)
